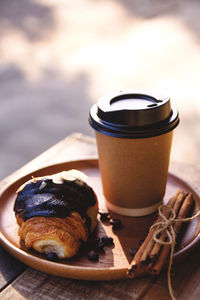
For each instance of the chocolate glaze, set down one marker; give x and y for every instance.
(55, 200)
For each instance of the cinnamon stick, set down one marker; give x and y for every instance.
(163, 255)
(157, 246)
(185, 209)
(146, 256)
(137, 266)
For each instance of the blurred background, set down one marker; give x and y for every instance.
(58, 57)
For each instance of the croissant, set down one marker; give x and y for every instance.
(56, 213)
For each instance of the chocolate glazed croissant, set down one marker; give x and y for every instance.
(55, 213)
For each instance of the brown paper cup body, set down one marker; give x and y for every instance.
(134, 172)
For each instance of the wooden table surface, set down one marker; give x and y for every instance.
(18, 281)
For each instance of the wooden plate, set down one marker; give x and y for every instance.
(114, 262)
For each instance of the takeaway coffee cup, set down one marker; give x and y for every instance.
(134, 135)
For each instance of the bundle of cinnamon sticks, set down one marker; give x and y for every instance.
(152, 255)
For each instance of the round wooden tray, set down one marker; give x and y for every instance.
(114, 262)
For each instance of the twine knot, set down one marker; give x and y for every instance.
(169, 239)
(165, 226)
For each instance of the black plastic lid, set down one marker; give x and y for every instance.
(129, 114)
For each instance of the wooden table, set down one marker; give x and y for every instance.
(18, 281)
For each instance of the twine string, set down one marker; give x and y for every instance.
(167, 226)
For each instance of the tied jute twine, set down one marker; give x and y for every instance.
(167, 226)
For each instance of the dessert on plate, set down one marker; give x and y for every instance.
(56, 213)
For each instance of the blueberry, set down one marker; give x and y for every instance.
(52, 256)
(93, 256)
(116, 223)
(107, 241)
(104, 216)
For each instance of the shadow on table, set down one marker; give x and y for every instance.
(10, 268)
(133, 231)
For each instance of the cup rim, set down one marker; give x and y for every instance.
(154, 120)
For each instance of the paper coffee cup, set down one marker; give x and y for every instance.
(134, 135)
